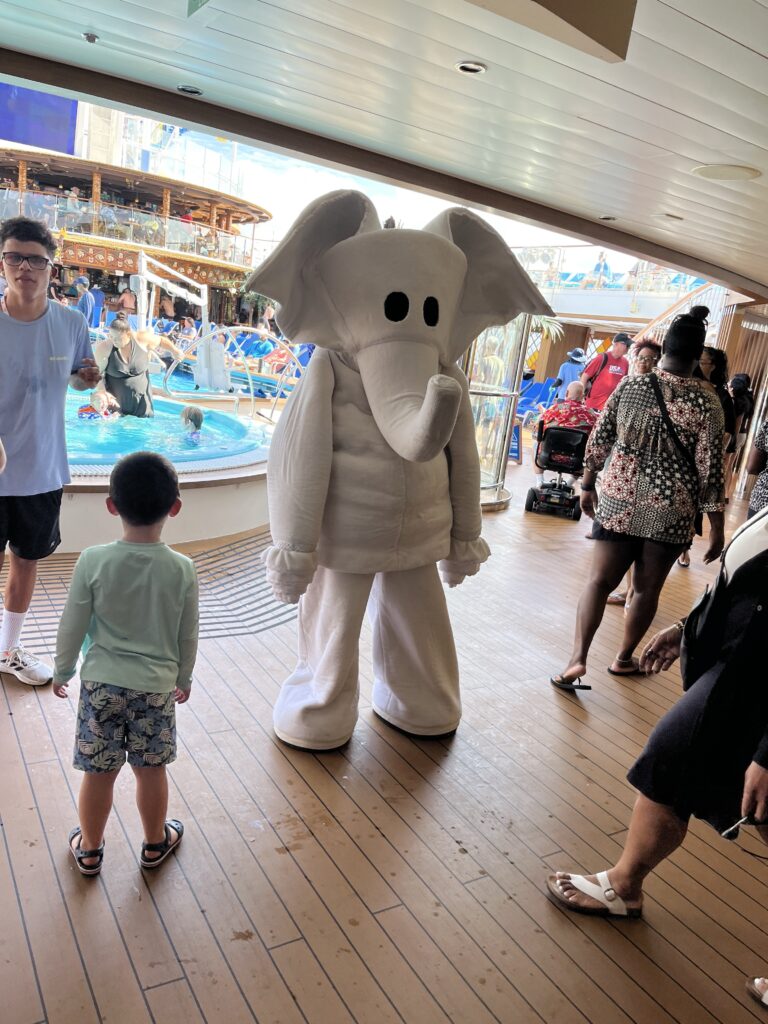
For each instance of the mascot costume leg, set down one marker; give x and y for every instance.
(373, 475)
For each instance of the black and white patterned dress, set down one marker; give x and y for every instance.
(649, 489)
(759, 497)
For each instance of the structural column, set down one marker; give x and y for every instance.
(22, 184)
(95, 201)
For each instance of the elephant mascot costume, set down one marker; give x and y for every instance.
(374, 476)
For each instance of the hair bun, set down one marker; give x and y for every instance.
(698, 312)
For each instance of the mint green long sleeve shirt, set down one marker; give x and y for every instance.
(133, 610)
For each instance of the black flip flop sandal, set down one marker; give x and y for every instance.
(166, 848)
(80, 855)
(562, 684)
(634, 671)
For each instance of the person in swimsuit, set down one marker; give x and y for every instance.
(125, 365)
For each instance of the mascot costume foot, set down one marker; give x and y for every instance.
(374, 476)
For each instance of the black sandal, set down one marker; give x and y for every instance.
(81, 855)
(166, 848)
(569, 685)
(632, 665)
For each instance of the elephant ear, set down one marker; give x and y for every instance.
(291, 274)
(496, 288)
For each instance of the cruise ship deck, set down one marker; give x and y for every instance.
(393, 880)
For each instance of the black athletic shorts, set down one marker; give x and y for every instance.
(30, 524)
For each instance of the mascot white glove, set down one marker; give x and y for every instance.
(289, 573)
(464, 559)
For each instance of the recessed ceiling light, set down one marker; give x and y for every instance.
(471, 67)
(90, 37)
(189, 90)
(606, 216)
(726, 172)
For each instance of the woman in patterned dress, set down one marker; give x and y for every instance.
(651, 492)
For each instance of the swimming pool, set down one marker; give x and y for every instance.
(224, 438)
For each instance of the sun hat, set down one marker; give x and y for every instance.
(577, 355)
(83, 280)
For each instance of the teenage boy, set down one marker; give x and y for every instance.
(132, 608)
(44, 348)
(604, 373)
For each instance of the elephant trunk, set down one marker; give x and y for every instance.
(414, 405)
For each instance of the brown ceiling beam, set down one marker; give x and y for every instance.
(89, 84)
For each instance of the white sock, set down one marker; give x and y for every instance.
(539, 479)
(10, 630)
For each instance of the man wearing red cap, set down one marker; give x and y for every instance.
(606, 370)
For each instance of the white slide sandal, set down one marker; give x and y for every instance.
(611, 904)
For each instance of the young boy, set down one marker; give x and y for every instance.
(132, 607)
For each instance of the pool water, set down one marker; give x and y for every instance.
(102, 442)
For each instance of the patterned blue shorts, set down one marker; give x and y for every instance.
(114, 723)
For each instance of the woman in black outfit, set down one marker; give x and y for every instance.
(708, 756)
(740, 391)
(713, 367)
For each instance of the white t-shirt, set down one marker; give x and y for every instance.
(36, 360)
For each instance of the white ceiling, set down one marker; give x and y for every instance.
(547, 123)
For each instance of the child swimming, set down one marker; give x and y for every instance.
(192, 417)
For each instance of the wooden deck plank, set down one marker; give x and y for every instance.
(141, 925)
(354, 951)
(435, 969)
(369, 884)
(521, 874)
(315, 995)
(334, 889)
(174, 1003)
(18, 981)
(64, 985)
(116, 988)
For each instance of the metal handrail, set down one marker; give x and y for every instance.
(232, 343)
(659, 323)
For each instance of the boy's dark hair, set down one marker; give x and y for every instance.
(24, 229)
(143, 487)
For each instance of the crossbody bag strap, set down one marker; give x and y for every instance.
(599, 370)
(686, 452)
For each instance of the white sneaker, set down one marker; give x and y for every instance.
(26, 667)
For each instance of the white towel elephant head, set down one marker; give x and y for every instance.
(399, 304)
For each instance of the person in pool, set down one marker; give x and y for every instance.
(192, 417)
(102, 406)
(125, 365)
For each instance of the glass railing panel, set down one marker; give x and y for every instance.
(9, 203)
(127, 224)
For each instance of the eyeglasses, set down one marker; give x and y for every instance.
(646, 359)
(16, 259)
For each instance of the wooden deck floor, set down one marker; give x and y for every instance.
(394, 881)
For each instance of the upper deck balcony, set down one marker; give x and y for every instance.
(75, 197)
(128, 224)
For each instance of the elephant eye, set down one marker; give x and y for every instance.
(431, 311)
(396, 306)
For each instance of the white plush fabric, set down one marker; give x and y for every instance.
(373, 468)
(416, 679)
